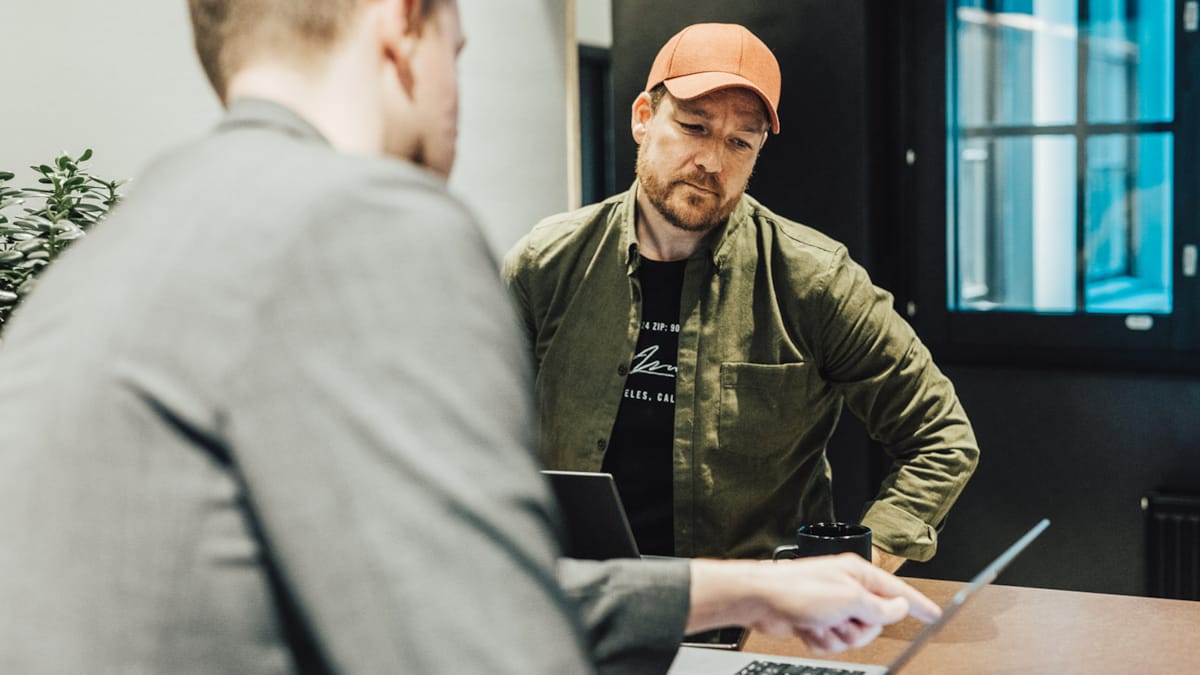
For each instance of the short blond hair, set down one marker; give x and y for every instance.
(228, 34)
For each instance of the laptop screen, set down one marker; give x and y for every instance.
(695, 661)
(597, 528)
(985, 577)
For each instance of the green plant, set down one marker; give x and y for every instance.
(67, 203)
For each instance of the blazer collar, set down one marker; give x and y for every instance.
(253, 112)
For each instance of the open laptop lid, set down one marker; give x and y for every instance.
(597, 527)
(985, 577)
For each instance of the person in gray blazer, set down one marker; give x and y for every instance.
(273, 415)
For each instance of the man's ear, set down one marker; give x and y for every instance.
(399, 33)
(640, 115)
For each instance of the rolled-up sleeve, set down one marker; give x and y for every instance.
(889, 380)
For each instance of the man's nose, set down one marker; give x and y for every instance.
(711, 156)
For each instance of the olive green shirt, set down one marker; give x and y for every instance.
(779, 330)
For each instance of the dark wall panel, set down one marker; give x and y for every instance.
(1080, 448)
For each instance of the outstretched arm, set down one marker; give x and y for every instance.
(832, 603)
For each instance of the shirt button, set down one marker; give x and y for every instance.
(622, 370)
(601, 445)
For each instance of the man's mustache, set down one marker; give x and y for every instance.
(703, 180)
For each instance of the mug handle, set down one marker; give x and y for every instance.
(782, 552)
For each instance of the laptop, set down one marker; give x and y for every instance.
(598, 529)
(693, 661)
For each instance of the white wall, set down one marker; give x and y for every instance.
(120, 76)
(117, 76)
(512, 160)
(593, 22)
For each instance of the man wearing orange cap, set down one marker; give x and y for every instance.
(701, 348)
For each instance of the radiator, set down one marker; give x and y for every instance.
(1172, 545)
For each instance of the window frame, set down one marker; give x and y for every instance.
(1104, 341)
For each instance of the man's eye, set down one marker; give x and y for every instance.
(741, 145)
(691, 128)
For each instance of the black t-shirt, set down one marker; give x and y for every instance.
(640, 450)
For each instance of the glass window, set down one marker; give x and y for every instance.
(1062, 138)
(1131, 60)
(1128, 234)
(1014, 193)
(1016, 63)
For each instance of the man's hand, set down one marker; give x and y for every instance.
(885, 561)
(831, 603)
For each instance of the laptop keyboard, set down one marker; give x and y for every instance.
(776, 668)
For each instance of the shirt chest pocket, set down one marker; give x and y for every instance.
(762, 407)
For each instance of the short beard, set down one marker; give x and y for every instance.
(658, 192)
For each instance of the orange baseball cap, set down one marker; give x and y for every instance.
(705, 57)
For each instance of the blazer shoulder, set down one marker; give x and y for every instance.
(390, 193)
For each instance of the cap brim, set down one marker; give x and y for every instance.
(698, 84)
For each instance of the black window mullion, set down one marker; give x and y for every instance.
(954, 276)
(994, 254)
(1131, 203)
(1081, 157)
(1132, 127)
(1132, 95)
(1186, 211)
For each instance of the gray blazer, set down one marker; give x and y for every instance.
(273, 416)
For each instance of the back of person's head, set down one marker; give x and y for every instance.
(230, 34)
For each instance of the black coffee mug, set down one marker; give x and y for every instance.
(827, 539)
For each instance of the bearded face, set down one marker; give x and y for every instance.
(695, 157)
(695, 201)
